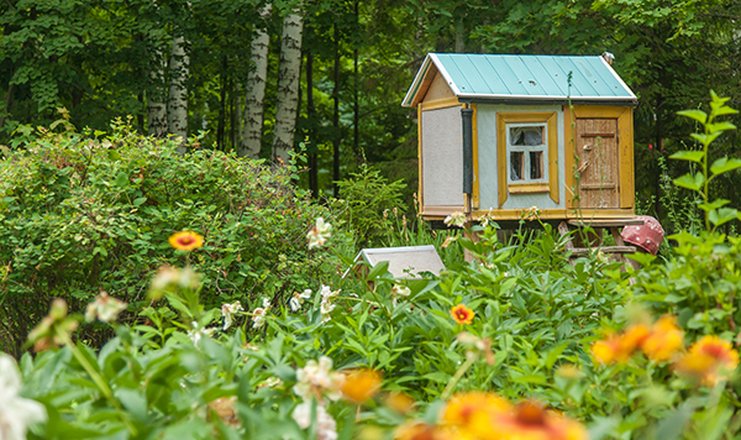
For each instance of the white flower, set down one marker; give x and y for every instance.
(258, 315)
(317, 379)
(16, 413)
(326, 427)
(319, 233)
(105, 308)
(198, 332)
(297, 300)
(399, 290)
(228, 311)
(455, 219)
(326, 305)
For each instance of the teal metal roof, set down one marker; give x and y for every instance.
(524, 78)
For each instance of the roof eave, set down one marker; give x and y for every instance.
(527, 99)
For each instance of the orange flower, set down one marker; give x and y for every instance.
(709, 360)
(361, 385)
(619, 348)
(665, 339)
(186, 240)
(416, 430)
(400, 402)
(462, 314)
(462, 408)
(528, 420)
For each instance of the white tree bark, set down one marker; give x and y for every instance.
(288, 82)
(177, 104)
(157, 96)
(251, 132)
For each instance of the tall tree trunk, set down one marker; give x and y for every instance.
(251, 131)
(221, 127)
(310, 116)
(289, 72)
(177, 104)
(336, 135)
(460, 34)
(356, 102)
(157, 96)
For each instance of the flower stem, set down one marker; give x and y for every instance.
(457, 377)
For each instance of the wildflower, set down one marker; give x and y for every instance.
(186, 240)
(199, 332)
(169, 279)
(477, 346)
(326, 427)
(105, 308)
(664, 340)
(709, 360)
(457, 218)
(462, 314)
(462, 408)
(259, 314)
(326, 306)
(360, 385)
(16, 413)
(527, 420)
(531, 213)
(228, 311)
(223, 407)
(297, 300)
(317, 379)
(620, 347)
(399, 402)
(319, 233)
(54, 329)
(398, 290)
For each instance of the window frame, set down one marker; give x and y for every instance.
(549, 183)
(526, 150)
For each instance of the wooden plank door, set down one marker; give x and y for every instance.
(598, 162)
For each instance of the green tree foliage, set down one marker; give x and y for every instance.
(82, 212)
(94, 58)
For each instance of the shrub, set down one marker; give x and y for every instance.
(84, 212)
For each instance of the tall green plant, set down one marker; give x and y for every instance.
(716, 211)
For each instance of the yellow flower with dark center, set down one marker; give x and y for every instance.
(361, 385)
(186, 240)
(462, 314)
(463, 408)
(528, 420)
(665, 339)
(709, 360)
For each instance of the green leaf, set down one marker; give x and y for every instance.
(705, 139)
(724, 165)
(692, 156)
(715, 204)
(140, 201)
(722, 216)
(698, 115)
(690, 182)
(122, 180)
(720, 126)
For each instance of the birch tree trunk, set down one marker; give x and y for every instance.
(177, 104)
(157, 96)
(251, 132)
(289, 71)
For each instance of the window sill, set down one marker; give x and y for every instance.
(526, 188)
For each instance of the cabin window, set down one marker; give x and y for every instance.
(527, 151)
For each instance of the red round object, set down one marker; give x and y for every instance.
(647, 236)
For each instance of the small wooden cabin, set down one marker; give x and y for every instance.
(500, 134)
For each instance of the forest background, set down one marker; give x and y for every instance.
(327, 76)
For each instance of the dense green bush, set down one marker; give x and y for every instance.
(84, 212)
